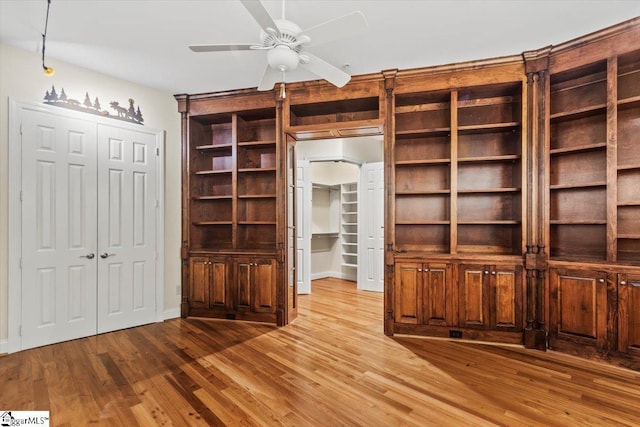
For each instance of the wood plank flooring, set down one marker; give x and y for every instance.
(332, 367)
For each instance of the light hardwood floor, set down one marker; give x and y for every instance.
(332, 367)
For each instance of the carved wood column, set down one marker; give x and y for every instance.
(281, 214)
(183, 109)
(536, 68)
(389, 179)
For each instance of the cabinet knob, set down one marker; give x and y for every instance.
(493, 272)
(419, 269)
(486, 272)
(623, 282)
(601, 280)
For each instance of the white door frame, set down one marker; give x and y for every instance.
(14, 274)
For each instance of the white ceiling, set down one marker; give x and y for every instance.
(145, 41)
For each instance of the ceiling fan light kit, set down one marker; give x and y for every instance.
(285, 42)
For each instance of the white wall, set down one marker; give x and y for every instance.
(365, 149)
(22, 78)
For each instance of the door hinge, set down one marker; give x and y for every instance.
(157, 151)
(157, 203)
(20, 128)
(20, 330)
(20, 195)
(20, 263)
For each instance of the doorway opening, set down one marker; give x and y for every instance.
(340, 211)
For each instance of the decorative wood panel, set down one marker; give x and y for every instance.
(437, 307)
(579, 309)
(199, 282)
(473, 305)
(408, 293)
(629, 314)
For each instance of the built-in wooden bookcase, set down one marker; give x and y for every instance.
(628, 156)
(212, 169)
(489, 179)
(594, 162)
(578, 163)
(422, 158)
(459, 151)
(233, 181)
(256, 180)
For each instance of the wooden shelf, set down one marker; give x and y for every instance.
(252, 170)
(214, 172)
(205, 198)
(630, 203)
(205, 223)
(501, 158)
(578, 222)
(628, 167)
(489, 190)
(632, 236)
(578, 148)
(488, 127)
(257, 196)
(422, 162)
(249, 144)
(257, 222)
(631, 102)
(423, 132)
(422, 192)
(418, 222)
(580, 185)
(214, 147)
(578, 113)
(489, 222)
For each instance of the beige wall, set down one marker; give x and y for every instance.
(21, 78)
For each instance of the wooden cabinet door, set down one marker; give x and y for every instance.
(437, 292)
(505, 288)
(579, 310)
(407, 296)
(629, 314)
(218, 284)
(199, 276)
(473, 296)
(255, 281)
(242, 281)
(263, 286)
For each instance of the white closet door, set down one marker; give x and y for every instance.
(126, 228)
(303, 225)
(59, 257)
(371, 238)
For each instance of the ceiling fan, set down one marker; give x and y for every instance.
(286, 43)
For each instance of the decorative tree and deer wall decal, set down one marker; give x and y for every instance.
(131, 114)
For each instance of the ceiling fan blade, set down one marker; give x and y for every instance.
(323, 69)
(262, 17)
(337, 29)
(220, 47)
(270, 78)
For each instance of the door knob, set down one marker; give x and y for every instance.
(104, 255)
(88, 256)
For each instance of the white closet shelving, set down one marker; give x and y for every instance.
(349, 224)
(325, 210)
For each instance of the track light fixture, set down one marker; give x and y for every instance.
(49, 71)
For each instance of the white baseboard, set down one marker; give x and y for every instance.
(4, 346)
(172, 313)
(336, 274)
(325, 274)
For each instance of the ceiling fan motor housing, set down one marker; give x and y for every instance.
(283, 55)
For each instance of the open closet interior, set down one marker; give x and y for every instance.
(333, 231)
